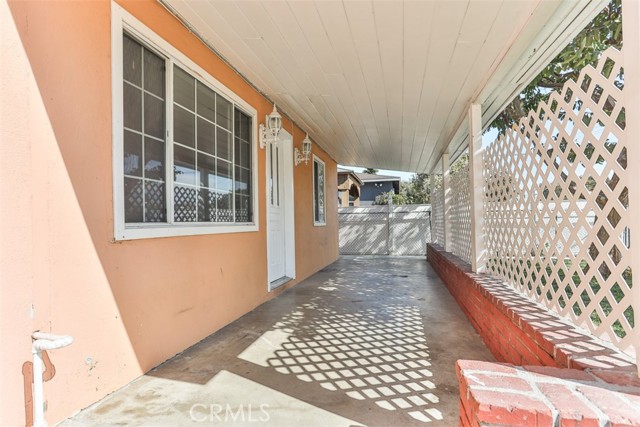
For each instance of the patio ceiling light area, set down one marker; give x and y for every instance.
(387, 84)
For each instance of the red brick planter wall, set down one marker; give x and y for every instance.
(521, 332)
(517, 330)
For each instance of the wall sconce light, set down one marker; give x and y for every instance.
(271, 128)
(306, 151)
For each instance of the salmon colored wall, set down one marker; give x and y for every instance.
(129, 305)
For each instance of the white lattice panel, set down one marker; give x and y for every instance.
(460, 212)
(437, 213)
(556, 204)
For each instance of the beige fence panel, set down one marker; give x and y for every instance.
(364, 230)
(556, 202)
(409, 229)
(385, 230)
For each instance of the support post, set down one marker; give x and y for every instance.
(432, 184)
(478, 250)
(631, 36)
(390, 240)
(446, 198)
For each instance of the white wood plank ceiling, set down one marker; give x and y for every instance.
(387, 84)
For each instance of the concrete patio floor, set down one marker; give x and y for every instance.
(367, 341)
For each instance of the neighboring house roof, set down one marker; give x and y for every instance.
(368, 177)
(352, 173)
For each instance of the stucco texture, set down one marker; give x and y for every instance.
(129, 305)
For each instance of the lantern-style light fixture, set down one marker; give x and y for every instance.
(306, 151)
(271, 128)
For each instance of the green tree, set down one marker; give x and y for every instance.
(462, 162)
(370, 171)
(417, 190)
(383, 199)
(603, 32)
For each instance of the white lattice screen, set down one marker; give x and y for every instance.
(556, 204)
(437, 213)
(460, 213)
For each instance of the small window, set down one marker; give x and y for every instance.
(318, 192)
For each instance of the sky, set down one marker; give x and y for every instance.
(487, 138)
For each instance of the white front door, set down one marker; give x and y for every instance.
(276, 215)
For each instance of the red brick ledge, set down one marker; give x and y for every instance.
(572, 378)
(493, 394)
(520, 331)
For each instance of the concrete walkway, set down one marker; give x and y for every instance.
(367, 341)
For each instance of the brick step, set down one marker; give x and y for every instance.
(494, 394)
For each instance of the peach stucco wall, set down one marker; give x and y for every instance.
(129, 305)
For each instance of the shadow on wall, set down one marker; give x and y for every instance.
(370, 238)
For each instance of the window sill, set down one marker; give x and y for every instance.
(319, 224)
(164, 230)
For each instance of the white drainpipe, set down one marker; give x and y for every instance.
(42, 342)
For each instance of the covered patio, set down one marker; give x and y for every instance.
(236, 312)
(366, 341)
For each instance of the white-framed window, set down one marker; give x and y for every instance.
(184, 157)
(319, 198)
